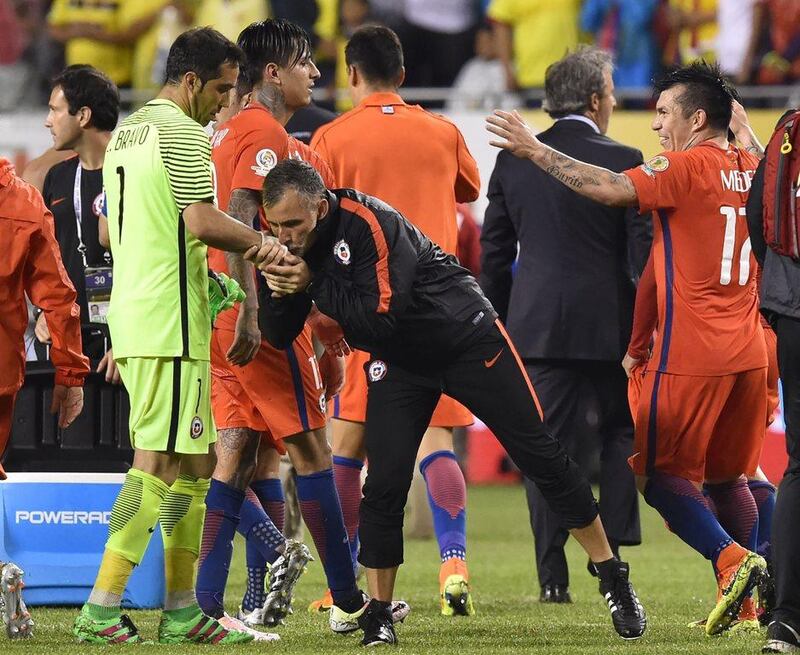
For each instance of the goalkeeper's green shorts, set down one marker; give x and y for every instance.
(170, 404)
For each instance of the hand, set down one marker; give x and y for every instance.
(269, 252)
(67, 403)
(739, 120)
(41, 330)
(329, 333)
(290, 276)
(332, 371)
(518, 138)
(629, 363)
(109, 365)
(246, 338)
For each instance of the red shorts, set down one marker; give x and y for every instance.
(351, 403)
(700, 428)
(773, 397)
(279, 393)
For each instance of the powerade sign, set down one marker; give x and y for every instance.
(58, 517)
(62, 517)
(55, 526)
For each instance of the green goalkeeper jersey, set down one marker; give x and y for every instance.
(157, 163)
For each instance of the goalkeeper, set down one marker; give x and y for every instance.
(161, 215)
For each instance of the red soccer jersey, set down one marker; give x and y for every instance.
(243, 151)
(705, 272)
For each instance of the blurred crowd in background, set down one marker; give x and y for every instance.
(488, 52)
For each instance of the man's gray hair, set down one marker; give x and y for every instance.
(570, 82)
(292, 174)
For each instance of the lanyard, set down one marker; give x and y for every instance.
(77, 204)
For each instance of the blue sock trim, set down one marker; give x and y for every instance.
(425, 463)
(349, 462)
(224, 497)
(268, 489)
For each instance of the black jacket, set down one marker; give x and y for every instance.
(780, 275)
(572, 294)
(395, 293)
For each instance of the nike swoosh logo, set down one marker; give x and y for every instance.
(57, 201)
(488, 363)
(151, 530)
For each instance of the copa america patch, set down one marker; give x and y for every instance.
(659, 164)
(197, 428)
(377, 370)
(342, 252)
(265, 162)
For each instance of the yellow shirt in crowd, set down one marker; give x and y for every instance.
(114, 60)
(543, 31)
(699, 42)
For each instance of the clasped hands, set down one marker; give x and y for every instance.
(284, 272)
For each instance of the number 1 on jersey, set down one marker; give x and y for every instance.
(731, 214)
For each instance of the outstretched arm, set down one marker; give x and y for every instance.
(596, 183)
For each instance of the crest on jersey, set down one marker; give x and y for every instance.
(197, 428)
(265, 162)
(97, 205)
(377, 370)
(322, 403)
(658, 164)
(342, 252)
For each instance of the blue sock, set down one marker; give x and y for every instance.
(764, 495)
(319, 505)
(687, 514)
(347, 474)
(262, 539)
(447, 497)
(223, 504)
(270, 494)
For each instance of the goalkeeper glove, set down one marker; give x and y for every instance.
(223, 293)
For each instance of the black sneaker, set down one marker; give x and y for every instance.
(555, 593)
(627, 612)
(781, 638)
(766, 597)
(377, 624)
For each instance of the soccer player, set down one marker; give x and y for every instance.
(258, 389)
(430, 156)
(429, 329)
(32, 265)
(703, 401)
(157, 176)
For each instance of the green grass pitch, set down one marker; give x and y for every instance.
(674, 584)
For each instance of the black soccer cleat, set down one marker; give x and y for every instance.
(781, 638)
(627, 612)
(377, 624)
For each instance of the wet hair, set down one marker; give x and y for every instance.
(704, 88)
(273, 41)
(202, 51)
(292, 174)
(570, 82)
(85, 86)
(376, 52)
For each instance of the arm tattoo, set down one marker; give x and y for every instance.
(243, 206)
(594, 182)
(755, 149)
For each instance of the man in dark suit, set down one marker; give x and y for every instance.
(569, 305)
